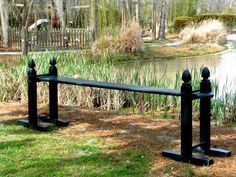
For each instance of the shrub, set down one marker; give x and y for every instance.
(208, 31)
(229, 20)
(181, 22)
(128, 41)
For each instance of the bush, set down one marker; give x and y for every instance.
(208, 31)
(128, 41)
(181, 22)
(229, 20)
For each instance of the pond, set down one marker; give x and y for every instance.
(221, 65)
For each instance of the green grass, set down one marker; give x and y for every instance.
(66, 152)
(27, 153)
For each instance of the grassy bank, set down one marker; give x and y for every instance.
(156, 50)
(188, 50)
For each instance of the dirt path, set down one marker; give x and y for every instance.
(136, 131)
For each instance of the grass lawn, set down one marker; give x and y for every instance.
(100, 143)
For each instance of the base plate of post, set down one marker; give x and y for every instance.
(40, 127)
(58, 122)
(214, 152)
(219, 152)
(199, 160)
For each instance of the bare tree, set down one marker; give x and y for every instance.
(94, 17)
(60, 13)
(154, 20)
(124, 13)
(24, 17)
(4, 21)
(162, 27)
(138, 11)
(130, 7)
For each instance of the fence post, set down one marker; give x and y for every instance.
(32, 95)
(186, 116)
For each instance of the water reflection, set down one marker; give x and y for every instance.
(222, 66)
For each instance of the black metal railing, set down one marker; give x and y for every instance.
(186, 94)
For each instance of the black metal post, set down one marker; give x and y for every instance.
(205, 119)
(53, 96)
(205, 112)
(53, 92)
(32, 95)
(186, 154)
(186, 116)
(32, 121)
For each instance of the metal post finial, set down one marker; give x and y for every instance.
(31, 64)
(53, 61)
(186, 76)
(205, 73)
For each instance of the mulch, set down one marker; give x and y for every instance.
(136, 132)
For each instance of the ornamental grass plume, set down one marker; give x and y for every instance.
(208, 31)
(129, 40)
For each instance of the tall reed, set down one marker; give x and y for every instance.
(13, 86)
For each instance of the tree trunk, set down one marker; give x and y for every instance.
(24, 41)
(60, 12)
(4, 21)
(130, 7)
(28, 5)
(154, 20)
(94, 18)
(41, 9)
(124, 14)
(162, 27)
(138, 11)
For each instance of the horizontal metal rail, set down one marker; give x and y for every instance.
(198, 95)
(107, 85)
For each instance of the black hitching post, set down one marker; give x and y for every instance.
(205, 119)
(53, 95)
(32, 95)
(205, 111)
(186, 116)
(53, 92)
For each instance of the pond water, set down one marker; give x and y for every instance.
(222, 66)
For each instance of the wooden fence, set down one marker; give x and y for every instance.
(52, 39)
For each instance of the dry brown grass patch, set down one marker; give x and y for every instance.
(208, 31)
(128, 41)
